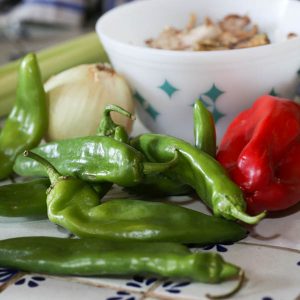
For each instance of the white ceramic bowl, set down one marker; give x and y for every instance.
(166, 83)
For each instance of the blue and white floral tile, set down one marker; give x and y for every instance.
(272, 273)
(31, 287)
(281, 230)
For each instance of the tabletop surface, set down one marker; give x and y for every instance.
(270, 256)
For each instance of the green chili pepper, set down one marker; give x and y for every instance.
(27, 199)
(88, 257)
(27, 122)
(199, 170)
(92, 158)
(204, 129)
(74, 205)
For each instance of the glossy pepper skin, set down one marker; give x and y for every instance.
(204, 129)
(74, 205)
(28, 120)
(92, 158)
(90, 257)
(199, 170)
(27, 199)
(261, 151)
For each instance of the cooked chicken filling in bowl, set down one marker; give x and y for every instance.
(232, 32)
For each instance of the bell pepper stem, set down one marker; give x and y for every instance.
(233, 291)
(53, 174)
(150, 167)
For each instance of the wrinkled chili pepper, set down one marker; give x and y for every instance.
(261, 151)
(204, 129)
(26, 124)
(74, 205)
(90, 257)
(199, 170)
(92, 158)
(27, 199)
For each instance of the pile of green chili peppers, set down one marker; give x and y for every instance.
(68, 181)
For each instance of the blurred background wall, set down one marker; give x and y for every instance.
(29, 25)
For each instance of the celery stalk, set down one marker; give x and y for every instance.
(82, 50)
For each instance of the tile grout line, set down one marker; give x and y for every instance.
(152, 288)
(270, 246)
(145, 294)
(11, 281)
(151, 293)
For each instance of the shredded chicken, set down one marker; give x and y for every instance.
(292, 35)
(232, 32)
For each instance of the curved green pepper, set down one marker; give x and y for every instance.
(27, 199)
(27, 122)
(199, 170)
(88, 257)
(204, 129)
(92, 158)
(74, 205)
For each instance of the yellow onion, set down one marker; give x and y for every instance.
(77, 97)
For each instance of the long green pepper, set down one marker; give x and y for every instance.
(94, 257)
(199, 170)
(94, 159)
(28, 121)
(74, 205)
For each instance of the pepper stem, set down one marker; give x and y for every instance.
(107, 126)
(53, 174)
(245, 217)
(230, 211)
(233, 291)
(150, 167)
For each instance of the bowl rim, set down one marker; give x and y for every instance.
(159, 53)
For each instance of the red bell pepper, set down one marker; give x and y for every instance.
(261, 151)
